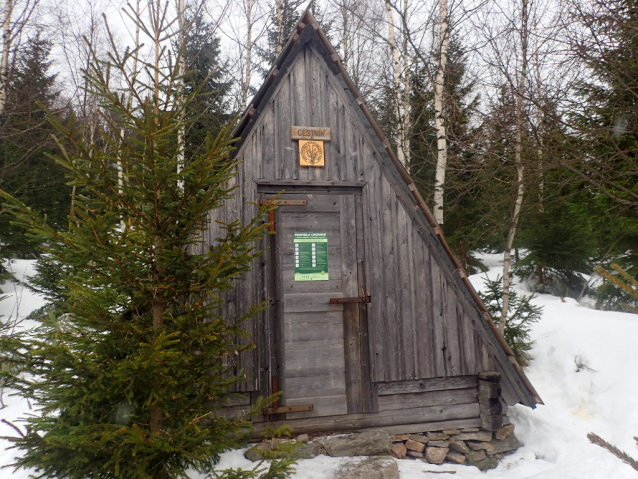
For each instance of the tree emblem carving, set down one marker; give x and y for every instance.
(311, 153)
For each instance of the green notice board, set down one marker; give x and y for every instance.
(311, 256)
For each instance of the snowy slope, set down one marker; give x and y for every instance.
(601, 398)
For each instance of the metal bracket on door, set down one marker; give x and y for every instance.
(364, 299)
(284, 202)
(276, 409)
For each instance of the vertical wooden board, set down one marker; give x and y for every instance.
(264, 149)
(438, 336)
(453, 352)
(409, 295)
(343, 140)
(471, 354)
(422, 307)
(334, 113)
(316, 99)
(352, 333)
(299, 115)
(356, 148)
(281, 125)
(369, 241)
(390, 272)
(366, 389)
(372, 198)
(348, 246)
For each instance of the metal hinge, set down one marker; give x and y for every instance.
(362, 299)
(284, 202)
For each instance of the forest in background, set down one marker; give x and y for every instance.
(518, 118)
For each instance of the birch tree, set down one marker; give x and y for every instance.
(16, 15)
(401, 77)
(441, 135)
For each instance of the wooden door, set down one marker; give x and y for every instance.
(316, 367)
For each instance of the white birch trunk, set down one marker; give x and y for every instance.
(249, 53)
(6, 51)
(439, 114)
(344, 36)
(280, 26)
(181, 133)
(405, 119)
(397, 82)
(520, 167)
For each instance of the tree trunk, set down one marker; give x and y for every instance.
(249, 53)
(280, 26)
(520, 167)
(439, 115)
(6, 52)
(397, 85)
(181, 133)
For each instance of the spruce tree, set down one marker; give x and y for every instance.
(26, 169)
(607, 119)
(132, 358)
(205, 78)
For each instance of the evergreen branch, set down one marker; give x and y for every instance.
(623, 456)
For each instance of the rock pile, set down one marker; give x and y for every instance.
(470, 446)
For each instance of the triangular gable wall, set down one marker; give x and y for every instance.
(425, 320)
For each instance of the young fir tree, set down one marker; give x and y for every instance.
(130, 362)
(522, 314)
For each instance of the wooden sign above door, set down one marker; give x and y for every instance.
(309, 133)
(311, 152)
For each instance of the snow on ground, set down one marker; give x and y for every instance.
(601, 397)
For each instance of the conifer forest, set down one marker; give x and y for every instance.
(517, 120)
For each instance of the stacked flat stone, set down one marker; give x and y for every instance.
(469, 446)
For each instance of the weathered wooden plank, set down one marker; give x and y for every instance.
(366, 386)
(430, 426)
(322, 221)
(375, 273)
(405, 292)
(319, 355)
(382, 419)
(423, 385)
(351, 326)
(392, 335)
(466, 338)
(315, 84)
(430, 398)
(322, 406)
(451, 331)
(284, 154)
(327, 385)
(317, 183)
(299, 114)
(438, 336)
(336, 145)
(309, 302)
(263, 147)
(424, 306)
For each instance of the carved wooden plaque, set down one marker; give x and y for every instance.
(309, 133)
(311, 153)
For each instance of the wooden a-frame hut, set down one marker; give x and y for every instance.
(371, 321)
